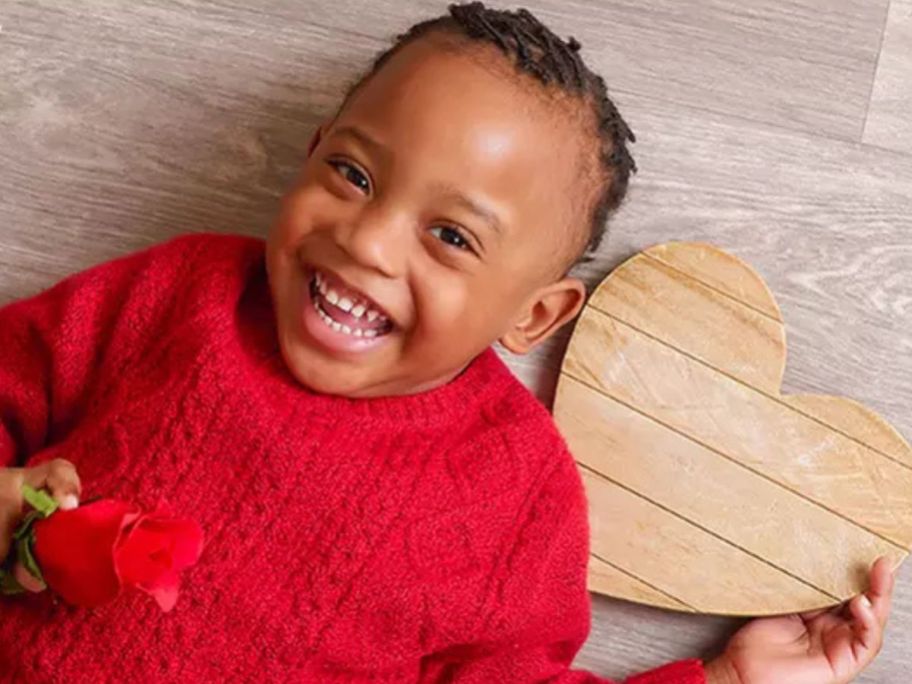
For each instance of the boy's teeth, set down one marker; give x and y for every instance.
(339, 327)
(356, 309)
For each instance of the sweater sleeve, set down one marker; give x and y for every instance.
(54, 345)
(543, 613)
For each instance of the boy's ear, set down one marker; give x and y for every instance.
(547, 311)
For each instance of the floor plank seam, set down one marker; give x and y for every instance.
(883, 34)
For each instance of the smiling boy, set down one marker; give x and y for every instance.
(383, 501)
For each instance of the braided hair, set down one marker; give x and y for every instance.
(535, 49)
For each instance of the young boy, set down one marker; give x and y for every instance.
(382, 500)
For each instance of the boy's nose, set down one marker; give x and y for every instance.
(379, 241)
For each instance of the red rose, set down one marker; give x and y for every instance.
(88, 554)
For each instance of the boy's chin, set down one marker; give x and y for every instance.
(327, 376)
(335, 376)
(339, 378)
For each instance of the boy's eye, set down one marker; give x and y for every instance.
(351, 174)
(450, 236)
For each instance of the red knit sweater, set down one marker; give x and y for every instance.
(439, 537)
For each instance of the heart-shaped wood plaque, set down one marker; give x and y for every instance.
(709, 491)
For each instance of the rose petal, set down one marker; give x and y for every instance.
(74, 549)
(153, 550)
(188, 543)
(142, 555)
(164, 590)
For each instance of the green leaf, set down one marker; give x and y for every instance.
(24, 555)
(40, 500)
(24, 538)
(25, 526)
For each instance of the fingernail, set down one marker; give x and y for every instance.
(865, 601)
(69, 502)
(26, 579)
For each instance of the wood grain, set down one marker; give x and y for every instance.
(889, 122)
(666, 538)
(790, 64)
(740, 339)
(755, 515)
(749, 427)
(124, 123)
(670, 390)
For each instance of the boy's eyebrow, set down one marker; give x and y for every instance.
(469, 204)
(363, 138)
(453, 193)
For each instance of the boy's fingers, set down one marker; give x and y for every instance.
(7, 527)
(27, 579)
(60, 478)
(867, 629)
(10, 506)
(881, 592)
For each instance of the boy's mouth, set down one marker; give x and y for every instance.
(346, 311)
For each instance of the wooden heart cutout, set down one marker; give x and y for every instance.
(708, 490)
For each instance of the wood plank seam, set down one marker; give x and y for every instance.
(710, 532)
(880, 49)
(692, 277)
(771, 397)
(784, 486)
(640, 579)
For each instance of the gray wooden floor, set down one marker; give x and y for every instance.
(780, 130)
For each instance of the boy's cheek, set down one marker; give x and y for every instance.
(304, 206)
(451, 337)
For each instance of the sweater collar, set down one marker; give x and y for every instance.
(485, 376)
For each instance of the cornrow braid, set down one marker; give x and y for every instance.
(535, 49)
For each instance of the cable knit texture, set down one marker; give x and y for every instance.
(438, 537)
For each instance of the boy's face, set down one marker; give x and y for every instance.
(435, 214)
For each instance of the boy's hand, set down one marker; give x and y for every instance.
(59, 477)
(829, 646)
